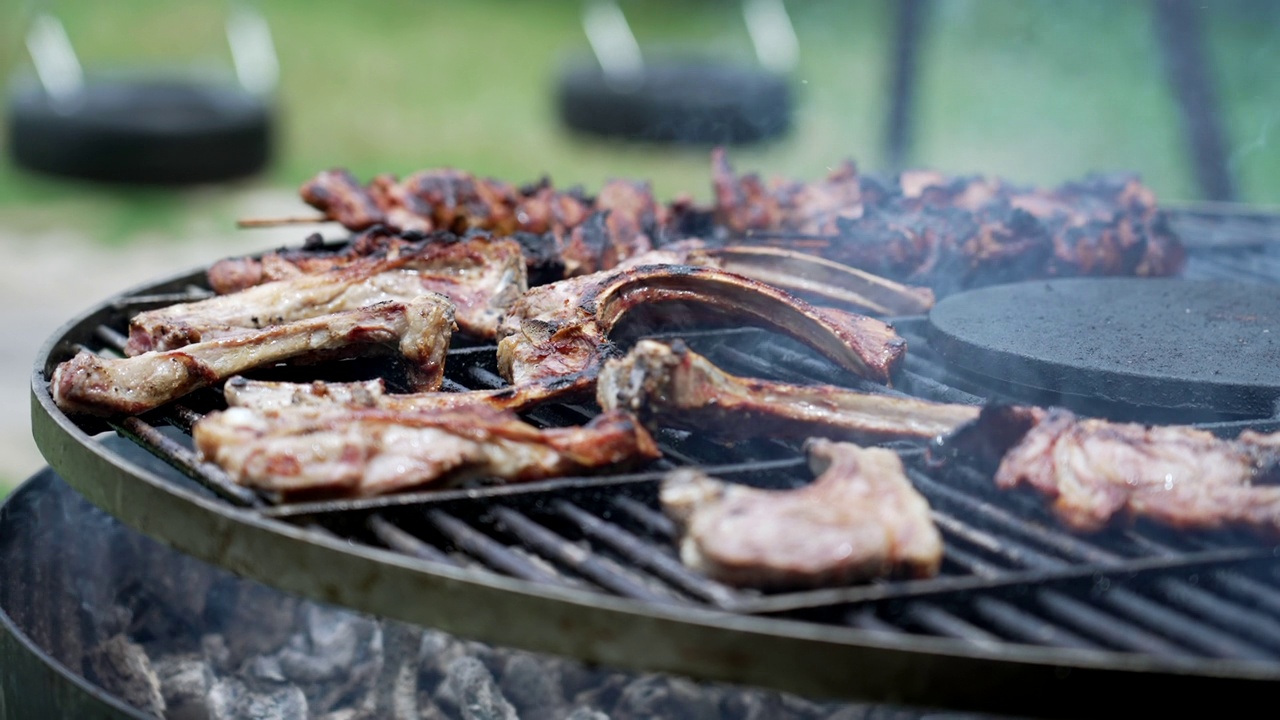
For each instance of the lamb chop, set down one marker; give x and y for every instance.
(860, 519)
(745, 203)
(370, 451)
(419, 329)
(481, 276)
(557, 333)
(1098, 472)
(672, 386)
(808, 277)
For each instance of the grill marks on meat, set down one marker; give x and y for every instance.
(627, 217)
(480, 276)
(1098, 472)
(671, 386)
(953, 233)
(419, 330)
(556, 335)
(370, 451)
(860, 519)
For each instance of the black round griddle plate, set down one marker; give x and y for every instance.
(1152, 342)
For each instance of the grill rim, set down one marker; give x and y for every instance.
(785, 654)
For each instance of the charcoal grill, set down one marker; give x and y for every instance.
(1024, 618)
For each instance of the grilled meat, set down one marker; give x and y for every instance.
(672, 386)
(420, 330)
(744, 203)
(481, 276)
(557, 334)
(371, 451)
(340, 197)
(953, 233)
(264, 395)
(860, 519)
(1098, 472)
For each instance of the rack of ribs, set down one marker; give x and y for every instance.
(672, 386)
(860, 519)
(558, 334)
(419, 330)
(360, 452)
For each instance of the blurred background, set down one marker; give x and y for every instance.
(1034, 90)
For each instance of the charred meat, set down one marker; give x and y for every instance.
(860, 519)
(480, 276)
(305, 450)
(952, 233)
(419, 330)
(1098, 472)
(672, 386)
(557, 334)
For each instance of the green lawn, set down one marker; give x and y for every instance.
(1035, 90)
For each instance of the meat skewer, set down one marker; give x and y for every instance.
(1098, 473)
(481, 276)
(860, 519)
(672, 386)
(371, 451)
(558, 333)
(420, 330)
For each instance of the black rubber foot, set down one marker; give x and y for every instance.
(141, 131)
(678, 101)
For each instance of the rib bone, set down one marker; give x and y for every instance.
(674, 387)
(265, 395)
(558, 332)
(90, 384)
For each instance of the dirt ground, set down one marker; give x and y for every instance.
(51, 277)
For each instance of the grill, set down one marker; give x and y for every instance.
(1024, 617)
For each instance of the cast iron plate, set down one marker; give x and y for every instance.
(1154, 342)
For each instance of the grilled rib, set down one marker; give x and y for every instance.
(672, 386)
(481, 277)
(1098, 472)
(371, 451)
(558, 333)
(809, 277)
(103, 386)
(860, 519)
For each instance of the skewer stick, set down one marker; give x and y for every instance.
(276, 222)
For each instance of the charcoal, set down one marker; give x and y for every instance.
(533, 686)
(122, 668)
(755, 705)
(214, 649)
(851, 712)
(230, 699)
(605, 694)
(470, 692)
(586, 713)
(256, 620)
(396, 688)
(184, 682)
(266, 667)
(653, 696)
(435, 653)
(334, 658)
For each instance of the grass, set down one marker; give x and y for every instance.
(1035, 90)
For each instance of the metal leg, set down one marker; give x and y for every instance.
(909, 31)
(1179, 31)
